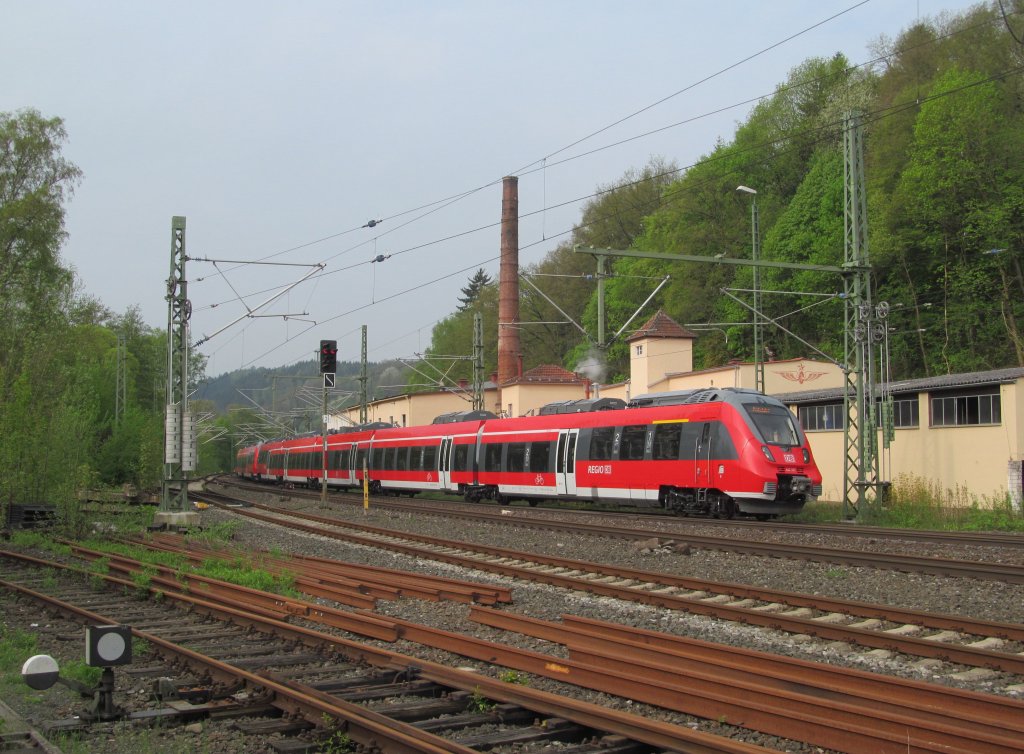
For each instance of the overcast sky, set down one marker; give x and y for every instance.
(278, 129)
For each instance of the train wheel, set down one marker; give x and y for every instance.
(723, 507)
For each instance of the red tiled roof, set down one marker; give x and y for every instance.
(548, 373)
(662, 326)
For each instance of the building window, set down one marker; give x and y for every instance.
(823, 417)
(966, 410)
(640, 350)
(905, 413)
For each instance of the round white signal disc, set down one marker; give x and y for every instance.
(40, 672)
(110, 647)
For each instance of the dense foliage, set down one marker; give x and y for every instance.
(942, 107)
(61, 425)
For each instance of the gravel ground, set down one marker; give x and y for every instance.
(989, 600)
(977, 599)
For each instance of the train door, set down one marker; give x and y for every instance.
(702, 458)
(352, 460)
(565, 462)
(444, 463)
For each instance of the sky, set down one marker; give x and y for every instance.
(281, 130)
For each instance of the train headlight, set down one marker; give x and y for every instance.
(768, 453)
(807, 455)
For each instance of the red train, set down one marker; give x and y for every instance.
(718, 452)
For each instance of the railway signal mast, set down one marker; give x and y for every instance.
(329, 369)
(179, 430)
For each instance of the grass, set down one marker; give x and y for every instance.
(918, 503)
(217, 533)
(15, 647)
(241, 572)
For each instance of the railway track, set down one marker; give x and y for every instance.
(976, 647)
(656, 523)
(305, 673)
(286, 679)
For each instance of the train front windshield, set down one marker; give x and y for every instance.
(774, 424)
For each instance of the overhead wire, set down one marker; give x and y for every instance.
(447, 201)
(440, 204)
(825, 131)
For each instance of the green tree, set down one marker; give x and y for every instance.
(960, 195)
(46, 419)
(471, 292)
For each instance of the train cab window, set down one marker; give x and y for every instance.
(666, 441)
(415, 458)
(461, 461)
(430, 457)
(492, 456)
(631, 446)
(515, 459)
(601, 443)
(539, 458)
(775, 424)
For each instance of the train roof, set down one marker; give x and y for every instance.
(582, 405)
(464, 416)
(732, 395)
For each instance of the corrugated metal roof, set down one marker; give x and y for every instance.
(942, 382)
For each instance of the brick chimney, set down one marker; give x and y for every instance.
(508, 282)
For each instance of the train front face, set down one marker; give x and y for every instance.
(784, 475)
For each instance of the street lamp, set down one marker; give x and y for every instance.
(755, 244)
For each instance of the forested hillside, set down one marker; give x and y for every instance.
(82, 387)
(942, 106)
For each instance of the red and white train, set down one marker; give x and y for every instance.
(719, 452)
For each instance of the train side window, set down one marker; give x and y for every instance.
(540, 457)
(416, 458)
(401, 459)
(631, 446)
(461, 462)
(601, 442)
(516, 457)
(722, 447)
(360, 458)
(430, 457)
(389, 458)
(492, 456)
(666, 442)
